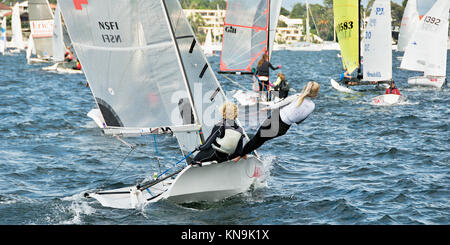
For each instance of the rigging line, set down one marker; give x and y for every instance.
(234, 82)
(118, 166)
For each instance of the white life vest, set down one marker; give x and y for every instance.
(229, 142)
(294, 114)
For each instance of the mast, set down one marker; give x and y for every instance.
(268, 29)
(359, 38)
(308, 38)
(191, 100)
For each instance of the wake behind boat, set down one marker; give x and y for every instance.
(139, 99)
(388, 99)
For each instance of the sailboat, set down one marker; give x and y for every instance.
(3, 36)
(427, 48)
(410, 21)
(249, 32)
(148, 75)
(16, 43)
(377, 43)
(308, 45)
(59, 48)
(41, 27)
(208, 46)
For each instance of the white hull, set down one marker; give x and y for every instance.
(209, 183)
(37, 60)
(96, 115)
(341, 88)
(388, 99)
(57, 68)
(436, 82)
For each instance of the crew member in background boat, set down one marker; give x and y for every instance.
(281, 86)
(347, 78)
(226, 139)
(68, 56)
(77, 66)
(392, 89)
(294, 110)
(262, 73)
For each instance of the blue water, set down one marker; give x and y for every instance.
(350, 162)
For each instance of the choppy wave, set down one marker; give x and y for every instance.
(349, 163)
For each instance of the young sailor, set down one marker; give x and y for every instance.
(392, 89)
(293, 110)
(226, 139)
(281, 85)
(262, 72)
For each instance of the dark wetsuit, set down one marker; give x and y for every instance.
(263, 70)
(258, 140)
(208, 153)
(283, 89)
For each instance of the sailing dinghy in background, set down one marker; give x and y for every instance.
(377, 43)
(16, 45)
(249, 32)
(41, 27)
(59, 48)
(3, 36)
(410, 21)
(427, 48)
(148, 75)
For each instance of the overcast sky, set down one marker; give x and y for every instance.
(422, 5)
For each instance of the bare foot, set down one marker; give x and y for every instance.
(237, 159)
(245, 157)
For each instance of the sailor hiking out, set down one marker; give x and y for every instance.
(294, 110)
(226, 139)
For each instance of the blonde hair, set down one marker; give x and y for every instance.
(229, 110)
(281, 75)
(311, 89)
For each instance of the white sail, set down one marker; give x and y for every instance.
(41, 26)
(146, 70)
(3, 36)
(207, 47)
(30, 49)
(16, 28)
(58, 37)
(275, 8)
(427, 49)
(207, 94)
(410, 21)
(377, 45)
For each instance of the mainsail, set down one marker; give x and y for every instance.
(145, 68)
(3, 36)
(249, 32)
(346, 19)
(427, 49)
(410, 21)
(41, 26)
(58, 37)
(16, 28)
(378, 43)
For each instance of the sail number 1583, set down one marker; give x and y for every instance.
(347, 25)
